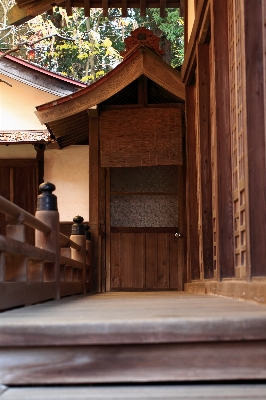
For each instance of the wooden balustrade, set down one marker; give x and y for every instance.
(32, 274)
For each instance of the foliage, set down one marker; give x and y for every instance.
(85, 48)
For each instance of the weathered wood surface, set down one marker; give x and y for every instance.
(222, 117)
(160, 362)
(145, 258)
(255, 97)
(144, 317)
(191, 189)
(149, 392)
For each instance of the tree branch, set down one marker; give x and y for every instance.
(31, 44)
(7, 83)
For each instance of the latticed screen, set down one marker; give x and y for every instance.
(237, 107)
(144, 197)
(141, 137)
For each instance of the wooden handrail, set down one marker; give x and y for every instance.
(65, 240)
(14, 211)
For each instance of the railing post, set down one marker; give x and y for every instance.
(47, 212)
(15, 267)
(78, 236)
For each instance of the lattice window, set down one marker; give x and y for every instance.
(237, 99)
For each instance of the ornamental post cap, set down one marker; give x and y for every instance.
(78, 226)
(47, 201)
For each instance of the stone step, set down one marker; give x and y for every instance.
(147, 392)
(133, 337)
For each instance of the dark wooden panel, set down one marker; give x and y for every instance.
(255, 99)
(224, 170)
(126, 266)
(138, 260)
(5, 192)
(174, 265)
(25, 182)
(115, 262)
(151, 260)
(19, 184)
(191, 189)
(163, 261)
(203, 82)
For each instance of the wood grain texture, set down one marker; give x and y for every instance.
(150, 392)
(191, 189)
(203, 88)
(94, 193)
(145, 260)
(224, 170)
(255, 98)
(143, 317)
(134, 363)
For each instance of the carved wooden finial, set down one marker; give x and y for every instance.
(47, 201)
(142, 36)
(78, 226)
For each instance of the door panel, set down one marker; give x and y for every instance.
(19, 184)
(143, 218)
(144, 260)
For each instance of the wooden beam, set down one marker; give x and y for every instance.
(223, 138)
(124, 8)
(191, 189)
(68, 7)
(203, 88)
(87, 8)
(162, 8)
(94, 192)
(142, 6)
(256, 147)
(182, 8)
(105, 8)
(190, 55)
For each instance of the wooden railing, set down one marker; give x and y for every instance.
(32, 274)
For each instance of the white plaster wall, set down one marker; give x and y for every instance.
(191, 16)
(17, 151)
(17, 105)
(68, 170)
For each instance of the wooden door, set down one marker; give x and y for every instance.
(19, 184)
(142, 250)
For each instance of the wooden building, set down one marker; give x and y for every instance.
(25, 158)
(194, 144)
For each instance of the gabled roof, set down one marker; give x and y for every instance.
(141, 62)
(35, 76)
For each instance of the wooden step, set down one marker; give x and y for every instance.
(133, 337)
(164, 392)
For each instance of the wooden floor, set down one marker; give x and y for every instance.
(133, 317)
(164, 392)
(130, 338)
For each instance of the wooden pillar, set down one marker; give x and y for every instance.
(40, 148)
(222, 116)
(94, 195)
(256, 147)
(191, 189)
(203, 88)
